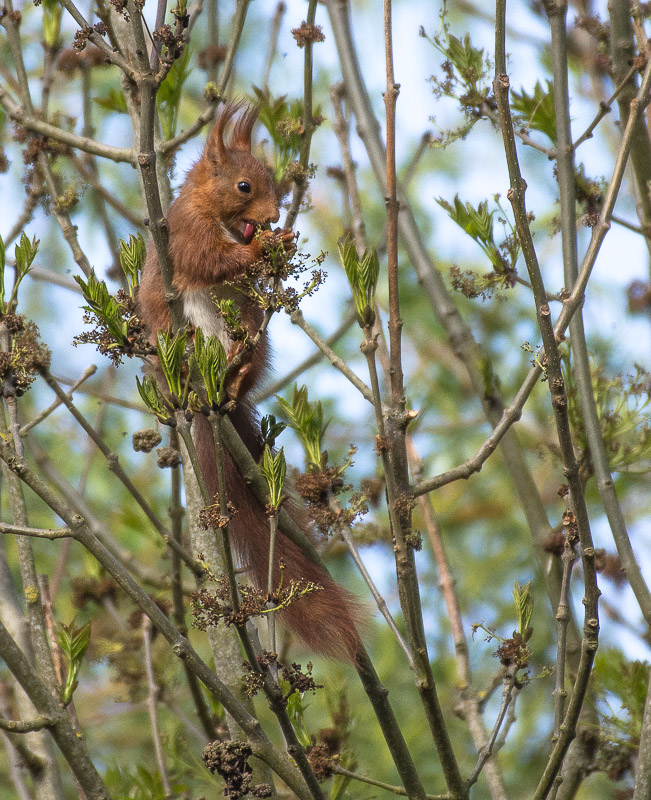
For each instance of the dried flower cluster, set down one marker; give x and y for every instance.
(26, 356)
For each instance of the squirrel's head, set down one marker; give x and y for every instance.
(241, 188)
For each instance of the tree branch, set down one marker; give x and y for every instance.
(17, 114)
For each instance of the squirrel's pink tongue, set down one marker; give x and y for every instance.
(248, 230)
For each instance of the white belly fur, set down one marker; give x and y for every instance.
(200, 311)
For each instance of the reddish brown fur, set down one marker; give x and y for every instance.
(204, 256)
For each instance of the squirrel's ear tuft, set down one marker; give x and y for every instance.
(240, 138)
(216, 149)
(243, 128)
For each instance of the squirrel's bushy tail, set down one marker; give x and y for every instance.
(326, 620)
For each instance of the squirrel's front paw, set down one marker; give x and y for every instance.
(277, 241)
(233, 385)
(288, 238)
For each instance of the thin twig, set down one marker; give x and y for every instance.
(487, 750)
(562, 618)
(17, 114)
(516, 195)
(176, 512)
(47, 276)
(397, 477)
(629, 225)
(154, 57)
(152, 707)
(91, 177)
(271, 616)
(605, 107)
(62, 217)
(99, 194)
(508, 723)
(88, 372)
(237, 26)
(23, 757)
(111, 54)
(344, 531)
(212, 13)
(26, 725)
(298, 319)
(412, 165)
(510, 415)
(117, 469)
(622, 53)
(26, 215)
(206, 116)
(276, 22)
(342, 131)
(301, 184)
(149, 576)
(522, 134)
(398, 790)
(40, 533)
(470, 705)
(277, 386)
(91, 391)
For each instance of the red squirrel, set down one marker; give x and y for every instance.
(214, 237)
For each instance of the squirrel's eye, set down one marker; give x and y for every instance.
(244, 186)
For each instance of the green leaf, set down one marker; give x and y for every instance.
(52, 11)
(181, 9)
(154, 400)
(362, 273)
(114, 101)
(102, 303)
(537, 111)
(467, 71)
(132, 259)
(170, 350)
(369, 270)
(468, 60)
(307, 420)
(168, 96)
(478, 224)
(523, 599)
(232, 316)
(210, 357)
(25, 255)
(74, 642)
(284, 124)
(271, 429)
(628, 681)
(274, 468)
(295, 712)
